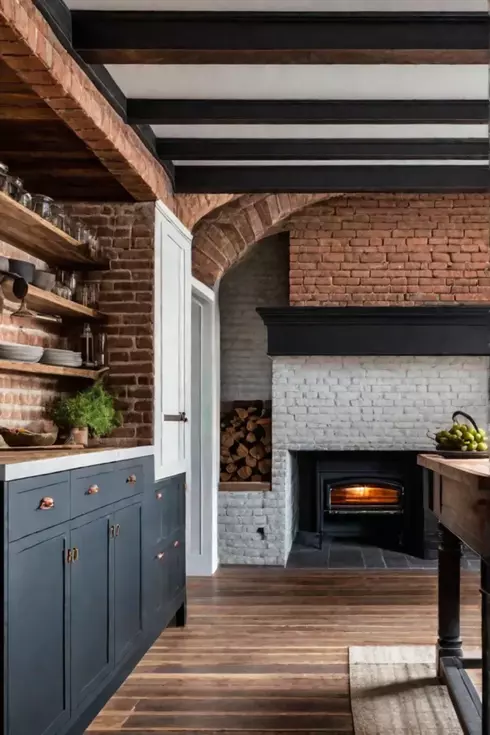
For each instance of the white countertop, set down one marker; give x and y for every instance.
(17, 469)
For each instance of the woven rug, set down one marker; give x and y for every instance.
(394, 691)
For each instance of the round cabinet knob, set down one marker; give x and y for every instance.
(160, 555)
(159, 496)
(93, 490)
(176, 543)
(46, 504)
(131, 480)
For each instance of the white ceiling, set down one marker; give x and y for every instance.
(284, 5)
(376, 132)
(308, 82)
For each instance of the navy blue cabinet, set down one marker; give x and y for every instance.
(95, 570)
(128, 603)
(92, 603)
(38, 634)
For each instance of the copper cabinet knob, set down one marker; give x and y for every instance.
(46, 504)
(131, 479)
(160, 555)
(93, 490)
(159, 496)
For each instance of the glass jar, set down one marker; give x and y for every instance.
(15, 187)
(26, 199)
(58, 217)
(4, 170)
(87, 347)
(80, 232)
(81, 294)
(43, 206)
(93, 295)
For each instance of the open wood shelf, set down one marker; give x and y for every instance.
(37, 368)
(28, 231)
(44, 302)
(248, 487)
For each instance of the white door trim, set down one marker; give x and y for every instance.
(202, 500)
(168, 227)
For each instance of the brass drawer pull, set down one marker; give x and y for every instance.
(112, 531)
(46, 504)
(76, 554)
(131, 480)
(176, 543)
(159, 496)
(118, 528)
(69, 556)
(93, 490)
(160, 555)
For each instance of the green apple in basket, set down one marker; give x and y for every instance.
(461, 437)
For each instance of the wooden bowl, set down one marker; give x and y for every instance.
(25, 438)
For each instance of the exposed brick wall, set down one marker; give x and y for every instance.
(223, 237)
(23, 398)
(391, 249)
(261, 279)
(126, 233)
(190, 208)
(30, 48)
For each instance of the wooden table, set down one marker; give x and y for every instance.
(459, 496)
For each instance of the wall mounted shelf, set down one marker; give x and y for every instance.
(31, 233)
(37, 368)
(44, 302)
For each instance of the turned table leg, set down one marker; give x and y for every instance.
(449, 642)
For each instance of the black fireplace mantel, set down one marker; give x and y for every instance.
(380, 330)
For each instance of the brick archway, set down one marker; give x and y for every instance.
(223, 236)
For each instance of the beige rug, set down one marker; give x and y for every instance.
(394, 691)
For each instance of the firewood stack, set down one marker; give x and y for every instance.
(246, 444)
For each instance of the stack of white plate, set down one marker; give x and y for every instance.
(20, 353)
(61, 358)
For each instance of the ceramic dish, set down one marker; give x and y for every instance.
(20, 353)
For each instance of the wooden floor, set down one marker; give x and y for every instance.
(265, 651)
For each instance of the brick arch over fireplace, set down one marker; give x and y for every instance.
(223, 236)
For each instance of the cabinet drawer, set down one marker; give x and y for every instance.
(95, 487)
(37, 503)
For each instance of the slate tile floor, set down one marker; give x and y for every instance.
(346, 554)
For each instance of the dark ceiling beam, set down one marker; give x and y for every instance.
(204, 149)
(104, 36)
(209, 112)
(302, 179)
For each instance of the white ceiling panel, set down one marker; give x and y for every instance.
(295, 81)
(284, 5)
(217, 164)
(353, 132)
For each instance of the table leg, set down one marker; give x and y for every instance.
(449, 642)
(485, 632)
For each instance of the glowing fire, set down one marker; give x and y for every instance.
(364, 495)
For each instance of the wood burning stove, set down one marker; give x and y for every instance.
(353, 496)
(377, 496)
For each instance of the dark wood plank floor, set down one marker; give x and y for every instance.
(265, 651)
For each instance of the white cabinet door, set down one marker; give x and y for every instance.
(172, 343)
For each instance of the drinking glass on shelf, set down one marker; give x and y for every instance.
(43, 206)
(93, 294)
(4, 170)
(81, 294)
(26, 199)
(80, 232)
(15, 187)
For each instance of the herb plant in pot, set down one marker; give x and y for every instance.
(88, 413)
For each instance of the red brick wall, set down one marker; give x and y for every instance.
(23, 398)
(126, 234)
(391, 249)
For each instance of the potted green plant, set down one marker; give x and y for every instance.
(88, 413)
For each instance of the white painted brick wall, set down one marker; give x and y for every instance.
(261, 279)
(338, 403)
(372, 402)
